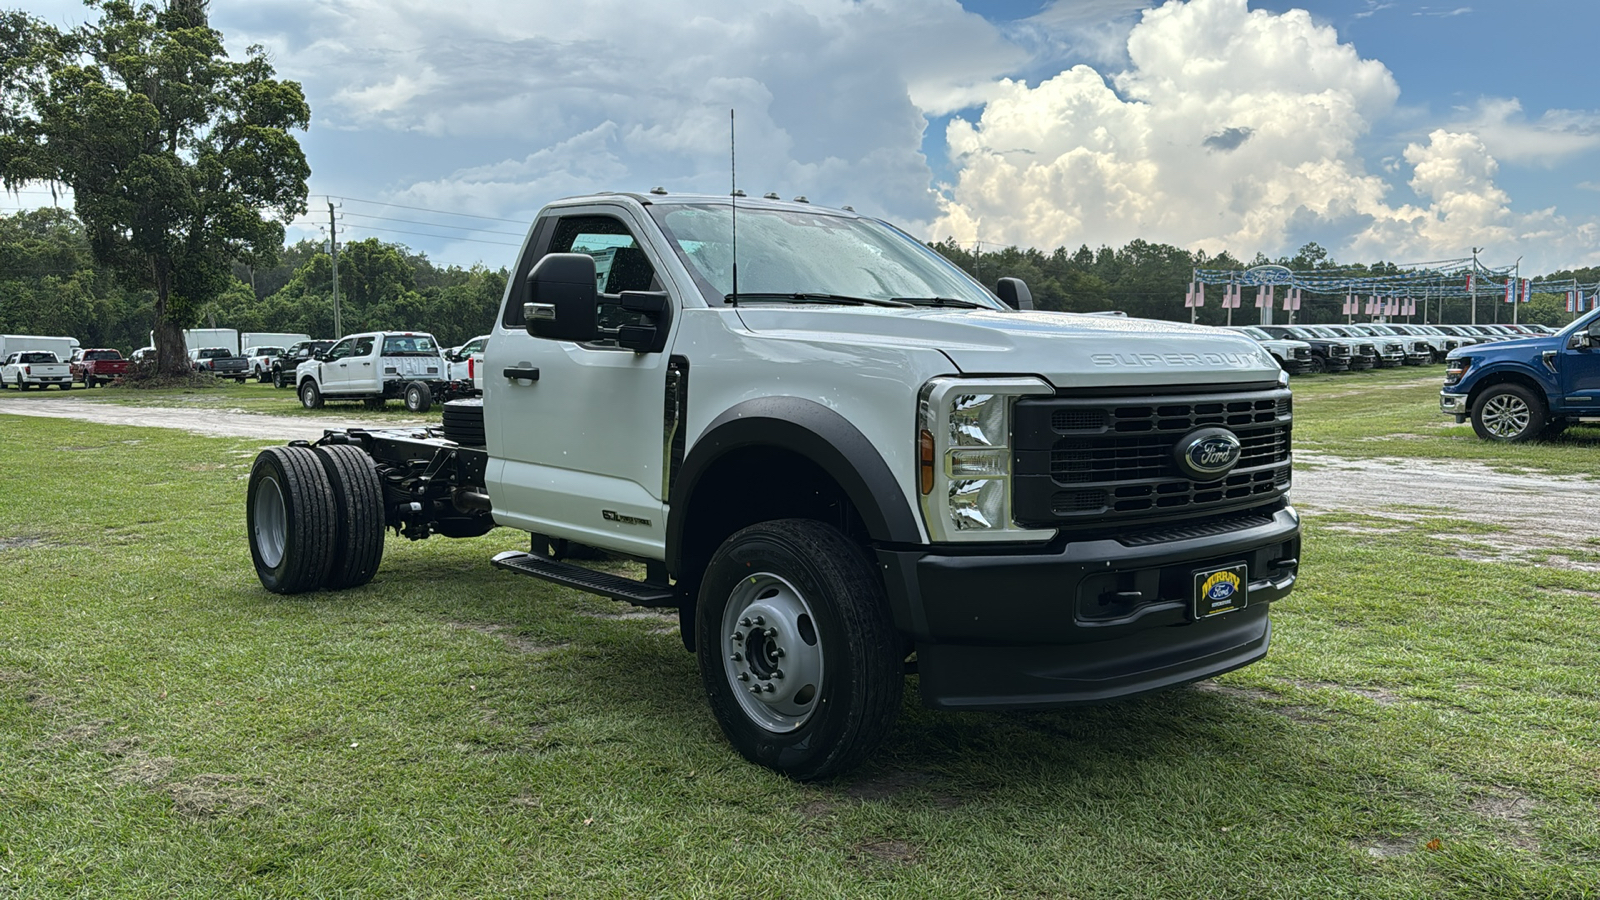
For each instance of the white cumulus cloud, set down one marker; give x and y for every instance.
(1236, 130)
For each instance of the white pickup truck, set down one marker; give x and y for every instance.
(375, 368)
(35, 368)
(841, 461)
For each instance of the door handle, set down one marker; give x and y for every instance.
(366, 364)
(531, 374)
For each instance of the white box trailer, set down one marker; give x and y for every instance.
(269, 338)
(202, 338)
(62, 347)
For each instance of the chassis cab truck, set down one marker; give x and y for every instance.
(847, 462)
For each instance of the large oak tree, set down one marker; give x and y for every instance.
(180, 159)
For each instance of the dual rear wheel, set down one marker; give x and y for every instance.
(315, 518)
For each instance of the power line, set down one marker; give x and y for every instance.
(426, 209)
(442, 237)
(433, 224)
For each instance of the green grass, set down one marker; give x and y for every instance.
(167, 728)
(1395, 413)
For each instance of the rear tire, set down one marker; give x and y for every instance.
(419, 397)
(310, 395)
(358, 539)
(811, 684)
(1508, 412)
(278, 380)
(290, 514)
(89, 382)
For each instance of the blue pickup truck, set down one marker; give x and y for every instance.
(1520, 389)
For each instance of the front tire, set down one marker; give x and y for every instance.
(800, 663)
(310, 395)
(1318, 365)
(1508, 412)
(419, 397)
(290, 514)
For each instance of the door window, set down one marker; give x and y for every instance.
(341, 349)
(619, 263)
(363, 347)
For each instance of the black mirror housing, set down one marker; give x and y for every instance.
(563, 301)
(651, 335)
(1014, 293)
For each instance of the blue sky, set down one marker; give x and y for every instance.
(1379, 128)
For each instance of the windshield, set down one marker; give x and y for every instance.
(102, 354)
(803, 252)
(1323, 331)
(1257, 333)
(410, 345)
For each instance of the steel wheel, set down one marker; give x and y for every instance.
(271, 522)
(771, 653)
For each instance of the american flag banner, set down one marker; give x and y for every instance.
(1238, 296)
(1469, 283)
(1288, 300)
(1349, 305)
(1297, 298)
(1188, 297)
(1371, 308)
(1411, 306)
(1200, 293)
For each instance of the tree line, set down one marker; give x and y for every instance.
(51, 283)
(1149, 280)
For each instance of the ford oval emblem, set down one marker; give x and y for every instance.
(1207, 454)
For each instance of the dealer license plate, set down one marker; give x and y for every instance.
(1219, 591)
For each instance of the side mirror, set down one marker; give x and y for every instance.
(1014, 293)
(563, 302)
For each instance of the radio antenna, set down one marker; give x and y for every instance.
(733, 199)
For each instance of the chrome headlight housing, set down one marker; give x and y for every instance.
(964, 454)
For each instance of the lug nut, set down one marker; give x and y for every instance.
(745, 621)
(737, 657)
(778, 674)
(755, 688)
(770, 688)
(743, 676)
(771, 632)
(760, 621)
(778, 652)
(738, 635)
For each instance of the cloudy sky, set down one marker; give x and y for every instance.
(1389, 129)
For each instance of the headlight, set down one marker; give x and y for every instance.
(964, 458)
(1455, 367)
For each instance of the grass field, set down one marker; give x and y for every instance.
(1424, 727)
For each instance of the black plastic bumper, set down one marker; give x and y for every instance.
(1084, 621)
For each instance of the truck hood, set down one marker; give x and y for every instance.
(1064, 348)
(1517, 347)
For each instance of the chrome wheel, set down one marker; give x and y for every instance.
(771, 652)
(271, 522)
(1506, 415)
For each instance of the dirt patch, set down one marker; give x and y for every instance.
(210, 796)
(146, 771)
(887, 785)
(896, 852)
(821, 808)
(1389, 848)
(1512, 812)
(1262, 700)
(74, 734)
(19, 543)
(664, 621)
(515, 642)
(1376, 694)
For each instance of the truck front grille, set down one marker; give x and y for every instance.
(1084, 459)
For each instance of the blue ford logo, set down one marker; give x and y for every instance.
(1222, 590)
(1207, 454)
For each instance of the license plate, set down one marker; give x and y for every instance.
(1219, 591)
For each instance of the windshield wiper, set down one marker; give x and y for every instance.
(807, 297)
(942, 301)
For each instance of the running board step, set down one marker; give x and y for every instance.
(616, 587)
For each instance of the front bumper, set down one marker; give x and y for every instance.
(1086, 620)
(1295, 366)
(1454, 405)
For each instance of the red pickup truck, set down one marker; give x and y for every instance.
(94, 367)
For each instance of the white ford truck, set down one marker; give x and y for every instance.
(841, 460)
(35, 368)
(375, 368)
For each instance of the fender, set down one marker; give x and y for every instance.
(814, 432)
(1495, 371)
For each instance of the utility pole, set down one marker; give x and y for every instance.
(1516, 289)
(333, 247)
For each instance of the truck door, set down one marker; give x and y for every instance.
(579, 453)
(336, 367)
(1580, 375)
(364, 374)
